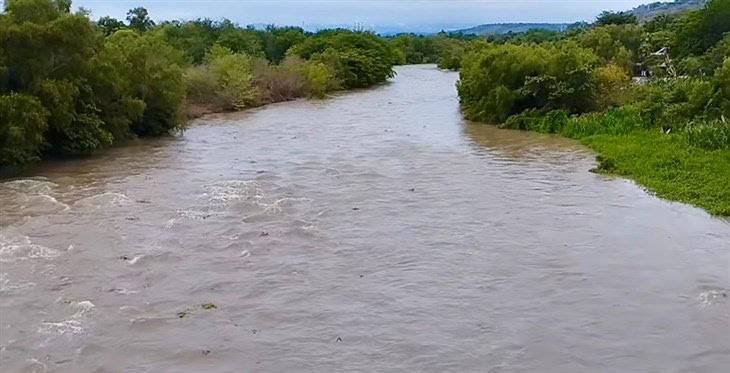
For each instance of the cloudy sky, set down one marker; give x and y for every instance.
(419, 15)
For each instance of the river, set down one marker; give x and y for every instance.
(373, 231)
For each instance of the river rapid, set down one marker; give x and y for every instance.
(373, 231)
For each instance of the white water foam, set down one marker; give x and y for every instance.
(712, 297)
(106, 199)
(7, 286)
(19, 248)
(233, 191)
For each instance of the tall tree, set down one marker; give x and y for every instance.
(139, 19)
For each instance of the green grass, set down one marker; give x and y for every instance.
(691, 166)
(668, 167)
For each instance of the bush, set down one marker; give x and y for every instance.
(722, 82)
(233, 75)
(618, 121)
(72, 131)
(22, 124)
(708, 135)
(277, 83)
(611, 87)
(319, 79)
(203, 88)
(155, 74)
(358, 59)
(615, 44)
(671, 104)
(498, 81)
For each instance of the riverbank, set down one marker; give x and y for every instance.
(377, 224)
(133, 82)
(667, 167)
(664, 163)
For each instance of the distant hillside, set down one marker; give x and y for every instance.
(504, 28)
(650, 11)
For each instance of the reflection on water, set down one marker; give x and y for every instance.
(374, 231)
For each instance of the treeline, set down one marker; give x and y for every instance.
(72, 86)
(653, 98)
(443, 49)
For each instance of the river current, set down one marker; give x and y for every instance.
(373, 231)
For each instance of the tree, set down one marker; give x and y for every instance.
(22, 124)
(498, 81)
(278, 40)
(139, 19)
(615, 44)
(153, 70)
(110, 25)
(360, 59)
(616, 18)
(699, 31)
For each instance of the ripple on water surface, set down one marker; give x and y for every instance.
(373, 231)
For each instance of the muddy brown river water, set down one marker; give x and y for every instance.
(374, 231)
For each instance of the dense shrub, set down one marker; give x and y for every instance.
(501, 80)
(618, 121)
(414, 49)
(699, 31)
(359, 59)
(319, 79)
(22, 124)
(709, 135)
(672, 103)
(611, 87)
(284, 82)
(154, 70)
(615, 44)
(233, 75)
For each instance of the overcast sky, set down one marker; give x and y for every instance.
(379, 14)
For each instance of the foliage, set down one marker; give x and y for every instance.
(319, 79)
(698, 31)
(22, 123)
(670, 134)
(284, 82)
(110, 25)
(195, 38)
(154, 71)
(359, 59)
(611, 86)
(501, 80)
(615, 44)
(709, 135)
(616, 18)
(668, 166)
(83, 92)
(415, 49)
(232, 73)
(139, 19)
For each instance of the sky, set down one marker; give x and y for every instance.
(378, 15)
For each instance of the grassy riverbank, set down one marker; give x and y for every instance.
(670, 133)
(667, 166)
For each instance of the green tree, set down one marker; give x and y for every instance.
(154, 70)
(359, 59)
(22, 124)
(139, 19)
(110, 25)
(615, 44)
(616, 18)
(698, 31)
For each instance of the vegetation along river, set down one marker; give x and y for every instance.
(373, 231)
